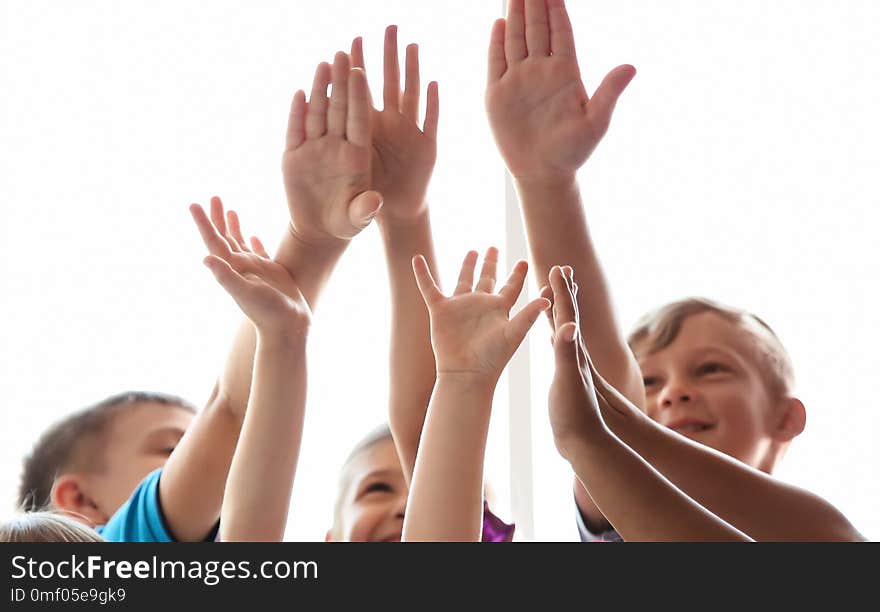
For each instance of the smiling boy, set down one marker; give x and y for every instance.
(721, 377)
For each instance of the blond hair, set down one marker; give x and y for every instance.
(659, 328)
(379, 434)
(46, 526)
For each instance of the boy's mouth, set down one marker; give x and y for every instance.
(688, 427)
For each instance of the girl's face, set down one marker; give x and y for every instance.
(374, 501)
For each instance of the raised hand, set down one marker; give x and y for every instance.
(471, 331)
(263, 288)
(403, 154)
(545, 124)
(574, 402)
(326, 163)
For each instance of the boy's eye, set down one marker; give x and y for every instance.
(710, 368)
(378, 487)
(650, 381)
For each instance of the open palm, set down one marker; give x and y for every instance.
(543, 120)
(471, 330)
(262, 288)
(403, 154)
(326, 163)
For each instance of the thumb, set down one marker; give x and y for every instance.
(565, 348)
(363, 208)
(605, 98)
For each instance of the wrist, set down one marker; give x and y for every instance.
(546, 183)
(296, 251)
(479, 383)
(389, 224)
(290, 338)
(316, 242)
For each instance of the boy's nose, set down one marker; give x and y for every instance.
(673, 395)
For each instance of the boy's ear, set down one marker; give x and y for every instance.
(68, 495)
(792, 419)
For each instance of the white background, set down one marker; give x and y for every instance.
(741, 165)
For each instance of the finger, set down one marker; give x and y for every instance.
(357, 61)
(216, 244)
(561, 34)
(357, 53)
(564, 306)
(357, 128)
(316, 117)
(409, 103)
(338, 109)
(565, 352)
(605, 98)
(258, 247)
(497, 60)
(514, 285)
(234, 225)
(547, 293)
(432, 111)
(486, 284)
(466, 276)
(537, 28)
(296, 128)
(391, 91)
(428, 288)
(520, 325)
(217, 216)
(514, 33)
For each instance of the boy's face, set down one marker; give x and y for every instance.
(707, 386)
(138, 441)
(374, 501)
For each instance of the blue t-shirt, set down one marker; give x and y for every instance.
(140, 518)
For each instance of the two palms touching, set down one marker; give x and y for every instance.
(545, 124)
(403, 154)
(344, 160)
(471, 330)
(263, 288)
(326, 162)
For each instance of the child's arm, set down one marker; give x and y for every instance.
(754, 502)
(327, 179)
(403, 159)
(636, 498)
(546, 126)
(258, 487)
(473, 339)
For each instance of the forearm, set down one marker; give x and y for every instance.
(558, 235)
(752, 501)
(445, 500)
(412, 366)
(258, 489)
(310, 263)
(193, 478)
(639, 502)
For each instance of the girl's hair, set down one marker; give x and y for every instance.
(46, 527)
(379, 434)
